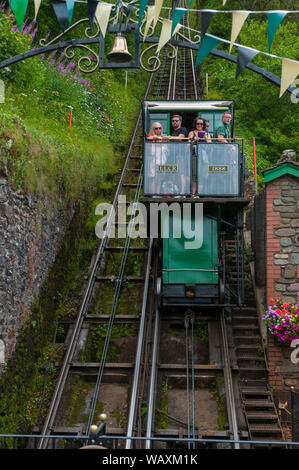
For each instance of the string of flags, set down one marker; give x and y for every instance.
(101, 11)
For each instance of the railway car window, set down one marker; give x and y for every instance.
(167, 168)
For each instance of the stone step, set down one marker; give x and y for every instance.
(258, 404)
(261, 416)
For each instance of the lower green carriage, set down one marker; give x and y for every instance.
(190, 269)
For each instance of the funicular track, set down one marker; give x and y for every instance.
(124, 267)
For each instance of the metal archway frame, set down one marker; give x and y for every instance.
(98, 62)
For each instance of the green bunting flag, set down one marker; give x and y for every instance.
(207, 44)
(19, 8)
(177, 16)
(70, 8)
(245, 55)
(274, 20)
(142, 7)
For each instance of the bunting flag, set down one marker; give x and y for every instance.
(92, 7)
(274, 20)
(142, 7)
(190, 4)
(245, 55)
(207, 44)
(70, 8)
(102, 15)
(224, 2)
(61, 12)
(290, 70)
(206, 18)
(19, 8)
(238, 19)
(150, 19)
(36, 7)
(158, 6)
(166, 33)
(176, 17)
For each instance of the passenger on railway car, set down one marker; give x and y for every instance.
(178, 134)
(206, 127)
(222, 133)
(158, 156)
(199, 134)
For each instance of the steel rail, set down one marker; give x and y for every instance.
(113, 309)
(91, 282)
(150, 413)
(139, 349)
(231, 404)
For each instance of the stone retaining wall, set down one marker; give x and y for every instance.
(31, 229)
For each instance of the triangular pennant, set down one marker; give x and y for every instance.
(36, 7)
(166, 35)
(274, 20)
(245, 55)
(176, 17)
(92, 7)
(224, 2)
(290, 70)
(70, 8)
(149, 19)
(190, 4)
(158, 6)
(206, 18)
(142, 7)
(19, 8)
(238, 19)
(207, 44)
(61, 13)
(102, 15)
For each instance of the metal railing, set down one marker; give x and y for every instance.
(78, 441)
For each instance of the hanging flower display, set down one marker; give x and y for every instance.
(282, 320)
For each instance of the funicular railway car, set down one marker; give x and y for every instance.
(199, 186)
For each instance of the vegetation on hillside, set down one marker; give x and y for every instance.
(260, 112)
(39, 150)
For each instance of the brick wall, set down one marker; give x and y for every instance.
(282, 266)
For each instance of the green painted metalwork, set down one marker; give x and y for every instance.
(189, 266)
(278, 171)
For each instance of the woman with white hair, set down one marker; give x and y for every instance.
(158, 156)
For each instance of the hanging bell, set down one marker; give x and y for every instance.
(119, 51)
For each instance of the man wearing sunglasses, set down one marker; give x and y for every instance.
(179, 132)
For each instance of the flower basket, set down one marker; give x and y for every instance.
(282, 321)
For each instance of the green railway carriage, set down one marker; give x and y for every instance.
(207, 176)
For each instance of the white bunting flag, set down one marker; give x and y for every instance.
(36, 7)
(238, 18)
(149, 20)
(166, 33)
(102, 15)
(158, 6)
(290, 70)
